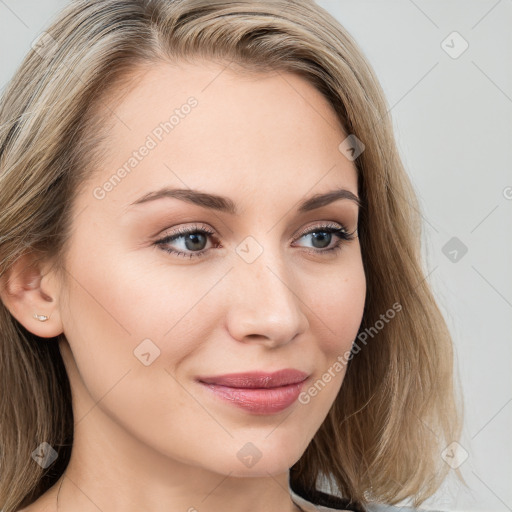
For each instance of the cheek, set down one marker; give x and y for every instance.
(338, 304)
(120, 316)
(336, 310)
(113, 311)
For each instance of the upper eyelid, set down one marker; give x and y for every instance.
(184, 230)
(324, 225)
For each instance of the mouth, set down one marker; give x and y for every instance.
(257, 392)
(257, 379)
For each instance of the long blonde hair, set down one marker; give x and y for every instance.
(397, 409)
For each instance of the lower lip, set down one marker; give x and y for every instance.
(259, 400)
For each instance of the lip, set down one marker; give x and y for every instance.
(257, 379)
(258, 392)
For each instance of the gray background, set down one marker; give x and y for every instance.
(453, 122)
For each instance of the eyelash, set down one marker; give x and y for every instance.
(342, 233)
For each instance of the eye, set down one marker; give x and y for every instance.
(323, 236)
(194, 239)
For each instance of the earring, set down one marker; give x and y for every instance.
(42, 318)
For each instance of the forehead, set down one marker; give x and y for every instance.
(209, 127)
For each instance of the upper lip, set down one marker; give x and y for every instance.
(257, 379)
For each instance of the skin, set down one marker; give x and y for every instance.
(151, 437)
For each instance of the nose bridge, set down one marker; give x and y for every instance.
(266, 303)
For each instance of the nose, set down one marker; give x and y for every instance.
(265, 307)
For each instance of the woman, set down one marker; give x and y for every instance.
(211, 280)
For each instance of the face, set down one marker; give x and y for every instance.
(163, 290)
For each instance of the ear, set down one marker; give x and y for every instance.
(29, 288)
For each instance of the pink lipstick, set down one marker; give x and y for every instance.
(258, 392)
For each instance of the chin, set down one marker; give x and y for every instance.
(249, 463)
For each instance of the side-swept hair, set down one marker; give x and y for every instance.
(397, 409)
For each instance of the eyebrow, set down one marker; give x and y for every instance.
(225, 204)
